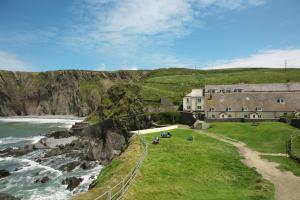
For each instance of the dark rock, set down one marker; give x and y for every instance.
(42, 180)
(72, 182)
(87, 165)
(5, 196)
(69, 166)
(4, 173)
(93, 184)
(60, 134)
(17, 169)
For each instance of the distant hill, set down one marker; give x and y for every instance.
(174, 83)
(80, 92)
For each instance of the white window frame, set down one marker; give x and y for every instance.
(259, 109)
(244, 109)
(280, 100)
(228, 109)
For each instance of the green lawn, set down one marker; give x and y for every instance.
(267, 137)
(202, 169)
(285, 164)
(296, 146)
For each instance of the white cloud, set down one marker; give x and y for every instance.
(11, 62)
(130, 30)
(274, 58)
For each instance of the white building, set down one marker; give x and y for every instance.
(194, 101)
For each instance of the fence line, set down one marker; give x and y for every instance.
(118, 190)
(291, 148)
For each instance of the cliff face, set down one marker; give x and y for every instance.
(56, 92)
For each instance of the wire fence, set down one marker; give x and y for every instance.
(117, 191)
(294, 147)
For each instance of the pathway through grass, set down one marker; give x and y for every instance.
(203, 169)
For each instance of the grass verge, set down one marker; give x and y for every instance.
(202, 169)
(267, 137)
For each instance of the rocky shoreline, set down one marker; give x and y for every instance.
(84, 147)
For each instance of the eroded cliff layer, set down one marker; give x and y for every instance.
(68, 92)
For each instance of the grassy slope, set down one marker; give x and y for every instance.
(202, 169)
(174, 83)
(113, 173)
(296, 146)
(268, 137)
(285, 163)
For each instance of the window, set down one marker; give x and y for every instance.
(244, 109)
(258, 108)
(211, 109)
(280, 100)
(229, 116)
(259, 116)
(212, 91)
(213, 116)
(222, 91)
(237, 90)
(199, 100)
(188, 107)
(199, 107)
(245, 116)
(228, 91)
(228, 109)
(187, 100)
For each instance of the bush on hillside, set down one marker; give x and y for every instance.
(173, 117)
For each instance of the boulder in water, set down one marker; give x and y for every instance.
(69, 166)
(4, 173)
(5, 196)
(72, 182)
(87, 165)
(42, 180)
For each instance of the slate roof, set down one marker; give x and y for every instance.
(270, 87)
(266, 100)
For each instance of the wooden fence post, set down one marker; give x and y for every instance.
(123, 186)
(109, 194)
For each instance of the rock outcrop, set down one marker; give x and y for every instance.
(56, 92)
(4, 173)
(72, 182)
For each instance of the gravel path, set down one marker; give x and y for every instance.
(287, 185)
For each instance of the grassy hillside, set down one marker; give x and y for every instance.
(174, 83)
(267, 137)
(202, 169)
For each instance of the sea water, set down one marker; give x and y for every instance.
(15, 132)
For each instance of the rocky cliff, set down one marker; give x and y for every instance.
(57, 92)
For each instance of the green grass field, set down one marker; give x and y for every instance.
(267, 137)
(296, 146)
(202, 169)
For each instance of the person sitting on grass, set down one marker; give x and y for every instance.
(163, 134)
(169, 135)
(156, 140)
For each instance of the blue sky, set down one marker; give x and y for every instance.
(40, 35)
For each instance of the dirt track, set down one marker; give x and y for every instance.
(287, 185)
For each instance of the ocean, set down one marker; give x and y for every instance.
(15, 132)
